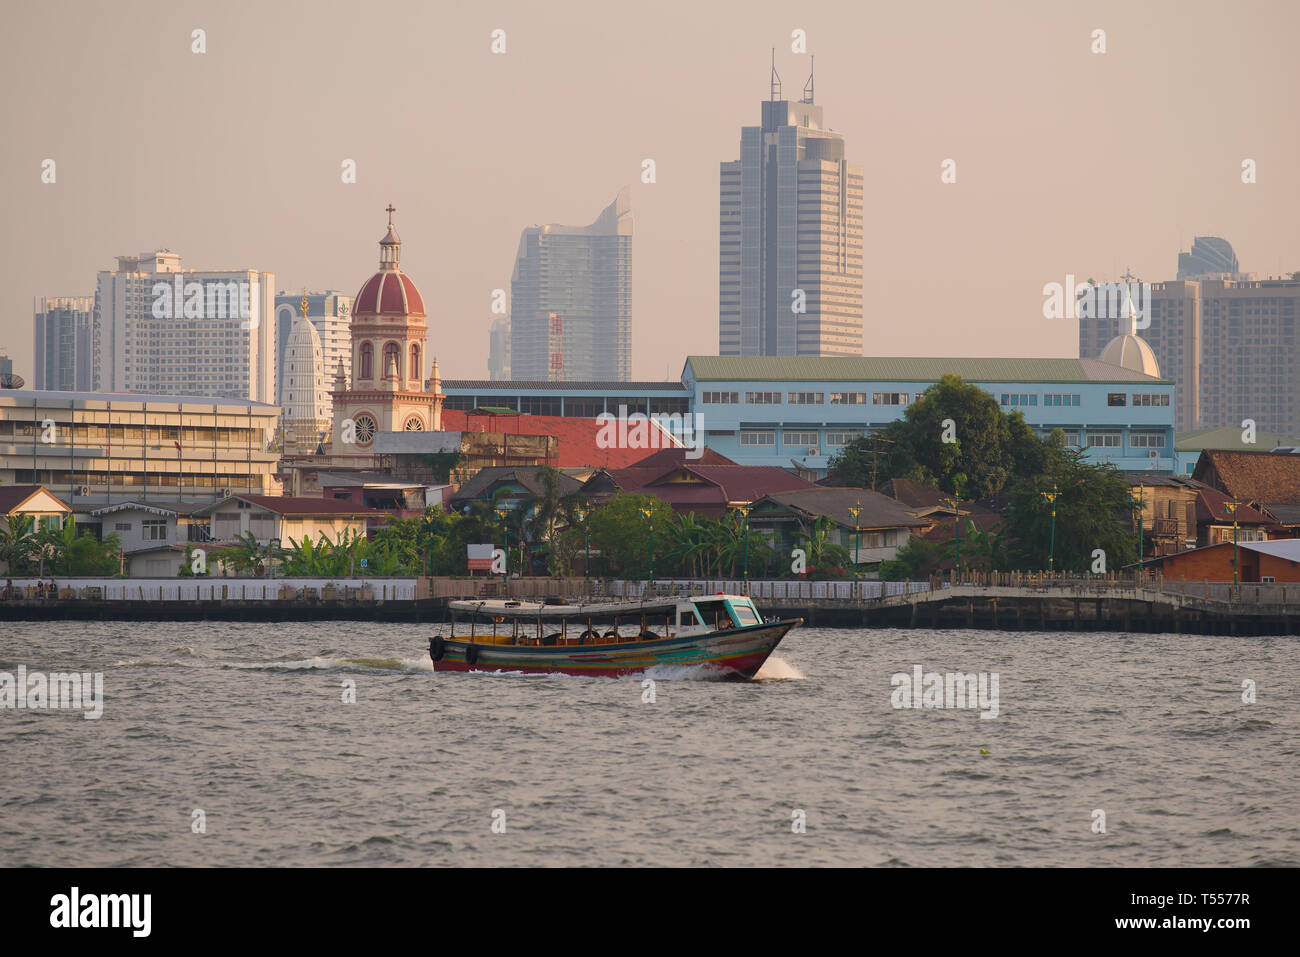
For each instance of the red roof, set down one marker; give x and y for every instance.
(708, 489)
(390, 294)
(578, 447)
(1209, 509)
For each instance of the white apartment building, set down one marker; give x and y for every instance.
(164, 330)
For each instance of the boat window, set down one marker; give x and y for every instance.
(744, 613)
(713, 613)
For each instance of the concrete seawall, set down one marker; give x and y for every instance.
(1039, 608)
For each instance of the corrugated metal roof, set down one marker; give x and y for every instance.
(27, 395)
(1229, 437)
(571, 385)
(906, 369)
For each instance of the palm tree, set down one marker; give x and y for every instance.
(822, 552)
(246, 554)
(18, 541)
(688, 544)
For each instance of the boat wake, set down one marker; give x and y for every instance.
(778, 669)
(399, 665)
(319, 663)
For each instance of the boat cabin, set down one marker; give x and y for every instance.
(498, 621)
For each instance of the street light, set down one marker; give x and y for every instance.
(855, 511)
(1139, 500)
(650, 517)
(956, 524)
(1051, 549)
(1231, 507)
(504, 512)
(581, 515)
(744, 511)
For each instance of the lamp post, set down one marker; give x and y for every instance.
(581, 515)
(744, 511)
(1051, 548)
(428, 543)
(650, 519)
(504, 513)
(1231, 508)
(956, 524)
(1139, 500)
(855, 511)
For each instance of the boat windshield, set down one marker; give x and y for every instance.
(744, 613)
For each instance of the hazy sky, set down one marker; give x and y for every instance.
(1067, 161)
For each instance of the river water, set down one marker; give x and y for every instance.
(246, 723)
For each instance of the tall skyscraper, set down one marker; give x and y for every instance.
(1231, 346)
(790, 237)
(1250, 350)
(167, 331)
(63, 344)
(499, 349)
(571, 299)
(1210, 258)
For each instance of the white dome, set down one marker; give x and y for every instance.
(1132, 353)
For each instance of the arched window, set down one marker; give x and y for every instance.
(393, 353)
(367, 361)
(416, 369)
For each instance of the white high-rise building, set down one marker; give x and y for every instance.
(164, 330)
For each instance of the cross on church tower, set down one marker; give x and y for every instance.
(390, 210)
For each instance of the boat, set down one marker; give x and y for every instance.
(721, 635)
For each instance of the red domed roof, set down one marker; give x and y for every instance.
(389, 294)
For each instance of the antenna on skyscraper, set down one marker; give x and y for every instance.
(808, 87)
(776, 78)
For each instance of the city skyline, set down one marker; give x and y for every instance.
(952, 268)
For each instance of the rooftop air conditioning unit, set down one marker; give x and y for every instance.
(83, 490)
(227, 492)
(1153, 453)
(814, 451)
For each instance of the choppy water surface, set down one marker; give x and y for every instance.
(247, 723)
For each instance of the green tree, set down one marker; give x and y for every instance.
(18, 543)
(918, 559)
(622, 534)
(983, 549)
(1093, 511)
(826, 558)
(396, 548)
(62, 551)
(987, 448)
(247, 554)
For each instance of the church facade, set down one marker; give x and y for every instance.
(388, 391)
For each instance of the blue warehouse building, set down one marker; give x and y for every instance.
(797, 412)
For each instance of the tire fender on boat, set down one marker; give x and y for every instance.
(437, 647)
(471, 655)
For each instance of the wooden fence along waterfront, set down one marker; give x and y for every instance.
(998, 600)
